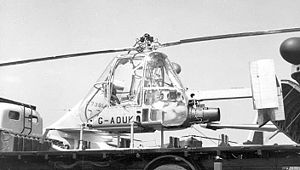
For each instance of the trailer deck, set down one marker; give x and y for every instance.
(273, 157)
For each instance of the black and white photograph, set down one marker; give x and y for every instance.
(150, 84)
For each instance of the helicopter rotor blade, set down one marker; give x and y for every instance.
(226, 36)
(183, 41)
(64, 56)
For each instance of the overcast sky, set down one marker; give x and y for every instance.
(34, 28)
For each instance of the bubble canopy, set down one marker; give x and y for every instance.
(146, 82)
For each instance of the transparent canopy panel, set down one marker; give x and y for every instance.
(163, 91)
(98, 96)
(126, 81)
(146, 82)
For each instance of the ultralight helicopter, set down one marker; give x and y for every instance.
(140, 91)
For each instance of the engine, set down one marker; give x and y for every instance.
(198, 113)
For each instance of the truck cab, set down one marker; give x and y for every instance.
(19, 118)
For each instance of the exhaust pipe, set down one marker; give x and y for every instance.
(204, 114)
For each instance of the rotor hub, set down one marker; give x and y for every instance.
(146, 43)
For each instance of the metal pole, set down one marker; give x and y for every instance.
(131, 135)
(162, 130)
(118, 140)
(162, 137)
(81, 137)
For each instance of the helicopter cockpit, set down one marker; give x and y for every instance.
(163, 91)
(126, 81)
(146, 82)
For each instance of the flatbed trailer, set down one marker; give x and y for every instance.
(275, 157)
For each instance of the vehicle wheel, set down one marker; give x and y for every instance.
(169, 162)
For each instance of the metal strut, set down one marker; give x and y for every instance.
(29, 118)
